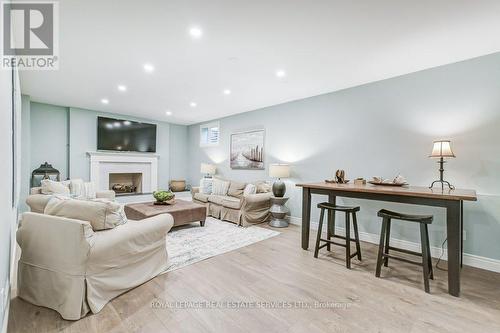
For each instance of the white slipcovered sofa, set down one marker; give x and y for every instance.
(68, 265)
(234, 204)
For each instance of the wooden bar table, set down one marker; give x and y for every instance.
(451, 200)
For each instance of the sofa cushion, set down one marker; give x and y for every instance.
(231, 202)
(100, 213)
(37, 202)
(216, 199)
(201, 197)
(53, 187)
(220, 187)
(236, 189)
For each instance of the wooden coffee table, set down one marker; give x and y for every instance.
(182, 211)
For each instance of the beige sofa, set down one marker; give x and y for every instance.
(68, 266)
(235, 207)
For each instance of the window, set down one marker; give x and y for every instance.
(209, 134)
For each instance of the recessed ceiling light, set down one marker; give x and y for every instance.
(227, 92)
(108, 125)
(117, 124)
(193, 104)
(168, 113)
(149, 68)
(280, 73)
(105, 101)
(195, 32)
(127, 123)
(121, 87)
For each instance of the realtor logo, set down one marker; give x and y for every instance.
(30, 35)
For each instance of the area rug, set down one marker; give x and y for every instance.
(190, 244)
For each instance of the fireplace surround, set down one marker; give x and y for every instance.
(132, 169)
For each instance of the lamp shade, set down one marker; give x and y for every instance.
(442, 149)
(279, 170)
(208, 169)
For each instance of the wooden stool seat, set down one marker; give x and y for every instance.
(332, 208)
(327, 205)
(384, 245)
(405, 217)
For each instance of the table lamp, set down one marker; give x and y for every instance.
(279, 171)
(442, 150)
(208, 169)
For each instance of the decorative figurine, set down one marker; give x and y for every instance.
(340, 176)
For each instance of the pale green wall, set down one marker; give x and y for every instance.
(49, 136)
(382, 129)
(63, 136)
(178, 152)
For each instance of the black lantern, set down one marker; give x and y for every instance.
(45, 171)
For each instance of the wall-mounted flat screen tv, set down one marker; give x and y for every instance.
(125, 135)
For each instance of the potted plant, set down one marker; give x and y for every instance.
(164, 197)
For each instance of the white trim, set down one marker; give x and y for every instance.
(208, 126)
(469, 259)
(5, 306)
(6, 318)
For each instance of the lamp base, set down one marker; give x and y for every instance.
(279, 188)
(443, 183)
(441, 180)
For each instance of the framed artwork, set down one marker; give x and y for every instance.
(247, 150)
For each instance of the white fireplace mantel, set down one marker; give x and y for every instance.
(104, 163)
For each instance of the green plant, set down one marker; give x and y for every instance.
(162, 195)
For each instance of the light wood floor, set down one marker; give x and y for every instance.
(278, 270)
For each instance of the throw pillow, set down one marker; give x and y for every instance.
(206, 185)
(249, 189)
(263, 187)
(89, 190)
(220, 187)
(76, 187)
(53, 187)
(101, 214)
(236, 189)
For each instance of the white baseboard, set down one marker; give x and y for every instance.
(469, 259)
(5, 305)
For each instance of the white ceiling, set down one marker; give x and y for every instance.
(322, 45)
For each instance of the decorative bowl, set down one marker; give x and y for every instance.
(164, 197)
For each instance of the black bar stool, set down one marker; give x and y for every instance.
(384, 246)
(331, 231)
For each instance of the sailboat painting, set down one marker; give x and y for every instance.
(247, 150)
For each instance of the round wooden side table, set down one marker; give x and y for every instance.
(278, 212)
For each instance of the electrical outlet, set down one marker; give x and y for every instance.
(464, 235)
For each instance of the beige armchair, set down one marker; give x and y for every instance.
(68, 267)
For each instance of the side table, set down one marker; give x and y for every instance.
(278, 212)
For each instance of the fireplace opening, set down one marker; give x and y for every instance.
(125, 183)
